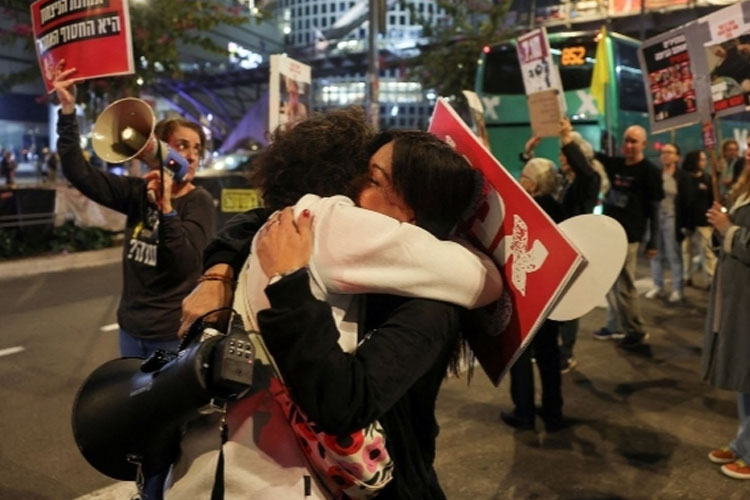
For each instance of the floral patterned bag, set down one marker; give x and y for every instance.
(353, 466)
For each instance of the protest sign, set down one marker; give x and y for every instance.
(676, 90)
(727, 55)
(289, 91)
(92, 36)
(545, 113)
(536, 259)
(477, 115)
(540, 75)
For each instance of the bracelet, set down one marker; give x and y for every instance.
(278, 276)
(215, 277)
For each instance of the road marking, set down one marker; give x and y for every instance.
(109, 328)
(11, 350)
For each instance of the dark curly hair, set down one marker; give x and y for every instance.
(691, 163)
(326, 154)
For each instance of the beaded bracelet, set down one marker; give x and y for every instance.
(215, 277)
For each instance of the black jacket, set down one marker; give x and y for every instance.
(694, 198)
(394, 376)
(581, 195)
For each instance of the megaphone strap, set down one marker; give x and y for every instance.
(198, 325)
(217, 492)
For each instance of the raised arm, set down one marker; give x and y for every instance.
(113, 191)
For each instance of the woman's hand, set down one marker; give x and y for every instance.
(284, 245)
(718, 218)
(65, 88)
(154, 183)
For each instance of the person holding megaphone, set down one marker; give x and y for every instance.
(169, 219)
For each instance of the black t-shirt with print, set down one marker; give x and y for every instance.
(633, 191)
(162, 255)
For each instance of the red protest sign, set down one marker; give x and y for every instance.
(91, 35)
(536, 259)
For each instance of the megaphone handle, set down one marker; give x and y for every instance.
(161, 168)
(151, 194)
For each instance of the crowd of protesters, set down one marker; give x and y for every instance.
(694, 210)
(673, 209)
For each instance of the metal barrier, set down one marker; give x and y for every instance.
(22, 220)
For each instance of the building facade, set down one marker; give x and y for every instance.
(321, 29)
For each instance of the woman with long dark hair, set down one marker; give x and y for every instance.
(694, 199)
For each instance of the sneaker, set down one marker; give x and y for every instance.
(722, 455)
(675, 297)
(654, 293)
(633, 341)
(738, 469)
(567, 364)
(605, 333)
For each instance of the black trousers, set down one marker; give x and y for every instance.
(546, 351)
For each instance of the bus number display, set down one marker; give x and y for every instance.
(573, 56)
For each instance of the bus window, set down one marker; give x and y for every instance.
(632, 93)
(502, 73)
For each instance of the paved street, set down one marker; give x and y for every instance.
(642, 422)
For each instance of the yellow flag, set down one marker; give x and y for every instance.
(600, 75)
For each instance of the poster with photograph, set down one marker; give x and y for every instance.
(677, 90)
(536, 259)
(289, 92)
(670, 78)
(81, 31)
(728, 57)
(536, 61)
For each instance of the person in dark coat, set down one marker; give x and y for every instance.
(539, 179)
(580, 193)
(693, 201)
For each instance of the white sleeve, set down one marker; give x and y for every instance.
(361, 251)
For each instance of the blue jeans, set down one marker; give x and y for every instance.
(133, 347)
(668, 253)
(740, 445)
